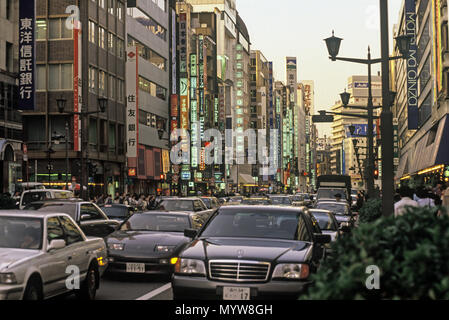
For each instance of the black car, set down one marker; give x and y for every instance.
(91, 219)
(250, 252)
(147, 242)
(119, 212)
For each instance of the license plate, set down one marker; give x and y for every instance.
(135, 267)
(236, 293)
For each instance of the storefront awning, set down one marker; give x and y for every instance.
(432, 148)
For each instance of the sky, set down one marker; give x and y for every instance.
(297, 28)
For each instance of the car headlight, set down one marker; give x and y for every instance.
(164, 249)
(116, 246)
(190, 267)
(291, 271)
(8, 278)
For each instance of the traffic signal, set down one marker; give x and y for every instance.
(376, 173)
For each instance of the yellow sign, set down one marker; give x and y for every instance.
(165, 161)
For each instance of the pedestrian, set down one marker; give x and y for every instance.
(424, 197)
(100, 200)
(360, 202)
(406, 201)
(108, 199)
(338, 197)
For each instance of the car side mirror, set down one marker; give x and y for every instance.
(190, 233)
(84, 217)
(322, 238)
(56, 244)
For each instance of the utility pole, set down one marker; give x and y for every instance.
(386, 117)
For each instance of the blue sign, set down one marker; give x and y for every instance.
(412, 66)
(360, 130)
(185, 175)
(27, 17)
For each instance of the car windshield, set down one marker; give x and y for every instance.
(156, 222)
(21, 233)
(177, 205)
(254, 202)
(337, 208)
(207, 202)
(68, 208)
(329, 193)
(324, 220)
(281, 200)
(273, 224)
(115, 212)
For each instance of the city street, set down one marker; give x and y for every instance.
(248, 150)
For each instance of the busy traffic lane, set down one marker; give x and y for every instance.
(131, 287)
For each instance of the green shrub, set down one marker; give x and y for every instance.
(411, 251)
(370, 211)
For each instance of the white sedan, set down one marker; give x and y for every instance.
(45, 254)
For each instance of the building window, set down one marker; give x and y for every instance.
(58, 30)
(152, 88)
(60, 76)
(102, 3)
(120, 90)
(112, 87)
(160, 3)
(41, 29)
(9, 56)
(102, 83)
(112, 138)
(111, 7)
(120, 48)
(148, 22)
(101, 37)
(41, 77)
(148, 54)
(120, 10)
(111, 43)
(93, 80)
(92, 28)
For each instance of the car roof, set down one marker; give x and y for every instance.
(179, 213)
(61, 201)
(47, 190)
(28, 213)
(261, 208)
(319, 210)
(188, 198)
(333, 202)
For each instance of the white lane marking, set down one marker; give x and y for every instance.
(154, 293)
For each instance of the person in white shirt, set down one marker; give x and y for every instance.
(406, 201)
(423, 198)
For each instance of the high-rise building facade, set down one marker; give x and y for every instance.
(148, 36)
(422, 85)
(79, 67)
(10, 119)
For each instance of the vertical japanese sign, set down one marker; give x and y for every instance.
(132, 111)
(174, 56)
(27, 22)
(437, 54)
(412, 66)
(183, 43)
(174, 112)
(396, 141)
(77, 86)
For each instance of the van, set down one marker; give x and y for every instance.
(43, 194)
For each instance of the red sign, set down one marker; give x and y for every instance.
(132, 172)
(174, 105)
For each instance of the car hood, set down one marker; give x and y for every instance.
(248, 249)
(144, 242)
(10, 257)
(342, 218)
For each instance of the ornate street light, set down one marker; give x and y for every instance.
(403, 44)
(333, 45)
(61, 104)
(103, 103)
(345, 96)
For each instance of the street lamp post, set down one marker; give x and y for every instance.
(403, 42)
(102, 103)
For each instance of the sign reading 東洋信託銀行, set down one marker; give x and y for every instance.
(27, 59)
